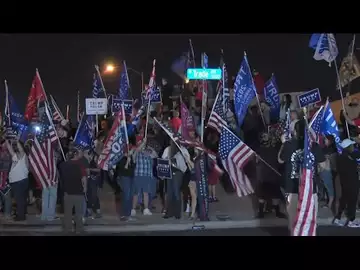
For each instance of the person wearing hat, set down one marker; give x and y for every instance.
(349, 181)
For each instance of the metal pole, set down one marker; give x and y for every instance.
(142, 81)
(342, 97)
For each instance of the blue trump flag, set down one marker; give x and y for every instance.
(180, 66)
(14, 121)
(244, 90)
(98, 91)
(124, 84)
(330, 127)
(271, 94)
(325, 47)
(84, 135)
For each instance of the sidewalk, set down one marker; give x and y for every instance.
(239, 211)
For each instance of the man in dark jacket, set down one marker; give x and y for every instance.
(268, 181)
(349, 180)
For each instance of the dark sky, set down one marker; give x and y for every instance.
(66, 61)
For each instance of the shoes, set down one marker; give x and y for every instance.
(147, 212)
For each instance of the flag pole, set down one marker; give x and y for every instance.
(342, 96)
(67, 111)
(78, 107)
(257, 97)
(149, 102)
(204, 101)
(351, 61)
(56, 106)
(7, 105)
(223, 83)
(50, 118)
(127, 77)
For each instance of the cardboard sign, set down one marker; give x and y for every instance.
(96, 106)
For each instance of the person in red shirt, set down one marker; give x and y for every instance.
(175, 122)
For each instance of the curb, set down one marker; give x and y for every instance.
(230, 224)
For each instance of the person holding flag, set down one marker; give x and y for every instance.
(18, 177)
(292, 156)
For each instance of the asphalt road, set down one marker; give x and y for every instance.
(266, 231)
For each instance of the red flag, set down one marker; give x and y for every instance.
(37, 94)
(259, 82)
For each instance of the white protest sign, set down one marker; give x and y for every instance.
(96, 106)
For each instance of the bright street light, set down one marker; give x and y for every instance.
(109, 68)
(187, 80)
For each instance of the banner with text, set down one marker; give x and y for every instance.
(309, 98)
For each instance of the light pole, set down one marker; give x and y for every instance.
(138, 73)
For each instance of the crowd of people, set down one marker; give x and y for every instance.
(135, 181)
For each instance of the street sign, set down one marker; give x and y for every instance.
(204, 74)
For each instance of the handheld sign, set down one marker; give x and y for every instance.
(204, 74)
(116, 105)
(154, 98)
(309, 98)
(163, 168)
(96, 106)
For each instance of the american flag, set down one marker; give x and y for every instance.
(234, 155)
(151, 81)
(217, 117)
(223, 84)
(190, 143)
(42, 153)
(55, 111)
(315, 125)
(305, 222)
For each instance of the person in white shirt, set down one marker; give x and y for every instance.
(18, 177)
(294, 117)
(178, 167)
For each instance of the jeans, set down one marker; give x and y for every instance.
(327, 178)
(20, 189)
(6, 203)
(126, 184)
(49, 198)
(93, 194)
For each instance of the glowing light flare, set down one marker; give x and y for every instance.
(109, 68)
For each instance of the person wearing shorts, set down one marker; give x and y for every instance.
(143, 179)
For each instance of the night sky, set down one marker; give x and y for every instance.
(66, 61)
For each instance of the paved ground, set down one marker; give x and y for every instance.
(239, 210)
(260, 231)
